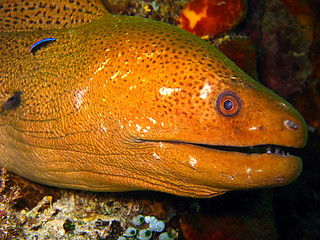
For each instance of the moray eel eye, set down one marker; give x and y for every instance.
(228, 104)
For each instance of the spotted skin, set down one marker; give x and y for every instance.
(121, 103)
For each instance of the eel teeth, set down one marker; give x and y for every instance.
(269, 150)
(277, 150)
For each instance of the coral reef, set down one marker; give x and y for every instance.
(241, 50)
(163, 10)
(285, 37)
(285, 64)
(154, 228)
(211, 17)
(32, 193)
(78, 215)
(10, 223)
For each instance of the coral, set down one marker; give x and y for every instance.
(211, 17)
(144, 234)
(138, 220)
(162, 10)
(303, 14)
(31, 193)
(162, 208)
(78, 215)
(166, 236)
(115, 6)
(284, 50)
(10, 223)
(130, 232)
(241, 51)
(154, 227)
(68, 226)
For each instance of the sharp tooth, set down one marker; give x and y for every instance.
(283, 153)
(277, 150)
(288, 154)
(269, 150)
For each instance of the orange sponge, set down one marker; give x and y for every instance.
(211, 17)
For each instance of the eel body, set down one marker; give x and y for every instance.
(118, 103)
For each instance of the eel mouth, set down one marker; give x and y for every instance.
(230, 167)
(283, 151)
(258, 149)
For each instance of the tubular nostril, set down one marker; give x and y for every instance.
(290, 125)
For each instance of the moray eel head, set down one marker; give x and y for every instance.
(141, 105)
(205, 126)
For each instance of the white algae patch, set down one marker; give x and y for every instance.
(79, 215)
(82, 210)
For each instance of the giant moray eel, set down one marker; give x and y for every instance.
(118, 103)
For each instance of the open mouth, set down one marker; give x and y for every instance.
(229, 167)
(258, 149)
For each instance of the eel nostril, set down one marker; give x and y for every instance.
(290, 125)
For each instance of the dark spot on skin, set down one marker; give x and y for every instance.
(12, 102)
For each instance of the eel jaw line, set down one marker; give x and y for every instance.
(257, 149)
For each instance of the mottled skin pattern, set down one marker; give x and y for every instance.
(119, 103)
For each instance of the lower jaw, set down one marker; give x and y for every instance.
(230, 169)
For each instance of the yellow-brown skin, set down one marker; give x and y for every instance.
(118, 103)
